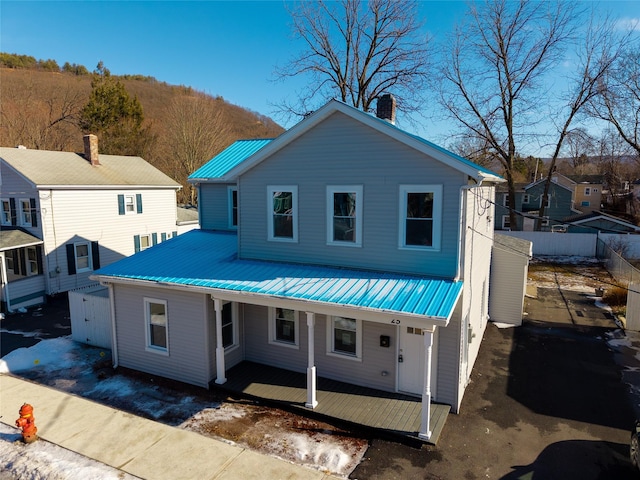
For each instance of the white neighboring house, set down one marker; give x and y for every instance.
(65, 214)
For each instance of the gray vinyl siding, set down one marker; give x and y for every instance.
(186, 361)
(214, 206)
(341, 151)
(367, 373)
(449, 361)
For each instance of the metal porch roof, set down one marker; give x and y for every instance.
(231, 156)
(208, 259)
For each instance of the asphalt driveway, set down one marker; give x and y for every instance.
(546, 401)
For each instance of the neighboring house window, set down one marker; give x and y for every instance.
(344, 337)
(129, 204)
(545, 221)
(32, 261)
(283, 327)
(229, 326)
(420, 216)
(10, 262)
(5, 218)
(82, 257)
(587, 191)
(525, 198)
(585, 204)
(142, 242)
(344, 215)
(283, 213)
(595, 190)
(505, 200)
(157, 323)
(506, 222)
(233, 207)
(548, 200)
(28, 212)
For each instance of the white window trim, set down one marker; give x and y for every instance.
(22, 212)
(330, 337)
(545, 221)
(505, 199)
(147, 324)
(526, 198)
(357, 189)
(230, 191)
(271, 189)
(437, 216)
(148, 237)
(234, 323)
(133, 202)
(587, 191)
(4, 221)
(272, 330)
(89, 267)
(29, 263)
(506, 219)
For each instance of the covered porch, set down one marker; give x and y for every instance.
(391, 414)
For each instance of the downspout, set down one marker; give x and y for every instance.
(114, 342)
(463, 227)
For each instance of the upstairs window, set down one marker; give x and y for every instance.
(420, 216)
(344, 215)
(283, 213)
(27, 212)
(5, 213)
(233, 207)
(587, 191)
(129, 204)
(82, 257)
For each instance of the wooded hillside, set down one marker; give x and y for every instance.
(41, 109)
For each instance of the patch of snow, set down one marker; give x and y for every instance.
(503, 325)
(42, 460)
(55, 351)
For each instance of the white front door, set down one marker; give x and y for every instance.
(411, 361)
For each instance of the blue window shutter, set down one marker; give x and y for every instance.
(71, 259)
(14, 214)
(174, 234)
(136, 243)
(34, 217)
(16, 261)
(23, 261)
(120, 204)
(95, 255)
(39, 258)
(163, 237)
(154, 238)
(139, 202)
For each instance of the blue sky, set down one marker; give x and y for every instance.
(226, 48)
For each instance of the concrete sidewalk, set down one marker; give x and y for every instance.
(140, 447)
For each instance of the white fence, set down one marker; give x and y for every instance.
(576, 244)
(91, 316)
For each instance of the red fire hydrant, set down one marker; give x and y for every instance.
(27, 423)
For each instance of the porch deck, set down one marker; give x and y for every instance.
(391, 414)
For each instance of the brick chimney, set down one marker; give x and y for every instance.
(387, 108)
(91, 149)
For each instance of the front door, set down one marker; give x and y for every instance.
(411, 361)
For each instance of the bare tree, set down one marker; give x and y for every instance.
(356, 51)
(619, 99)
(579, 146)
(493, 79)
(196, 131)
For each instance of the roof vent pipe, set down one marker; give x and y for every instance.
(386, 109)
(91, 149)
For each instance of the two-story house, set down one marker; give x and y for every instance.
(345, 249)
(64, 214)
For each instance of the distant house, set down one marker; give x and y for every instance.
(64, 215)
(587, 192)
(345, 249)
(599, 222)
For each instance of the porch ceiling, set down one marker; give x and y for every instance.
(208, 261)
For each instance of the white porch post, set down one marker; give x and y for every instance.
(220, 369)
(425, 431)
(311, 368)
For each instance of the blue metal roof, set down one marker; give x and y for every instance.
(231, 156)
(208, 259)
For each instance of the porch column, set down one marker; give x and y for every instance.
(425, 430)
(311, 368)
(220, 370)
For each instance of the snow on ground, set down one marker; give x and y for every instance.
(46, 461)
(580, 274)
(85, 371)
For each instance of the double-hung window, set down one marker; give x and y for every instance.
(229, 326)
(233, 206)
(282, 202)
(344, 337)
(420, 216)
(129, 203)
(83, 256)
(32, 261)
(26, 219)
(506, 222)
(283, 327)
(344, 215)
(5, 213)
(157, 325)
